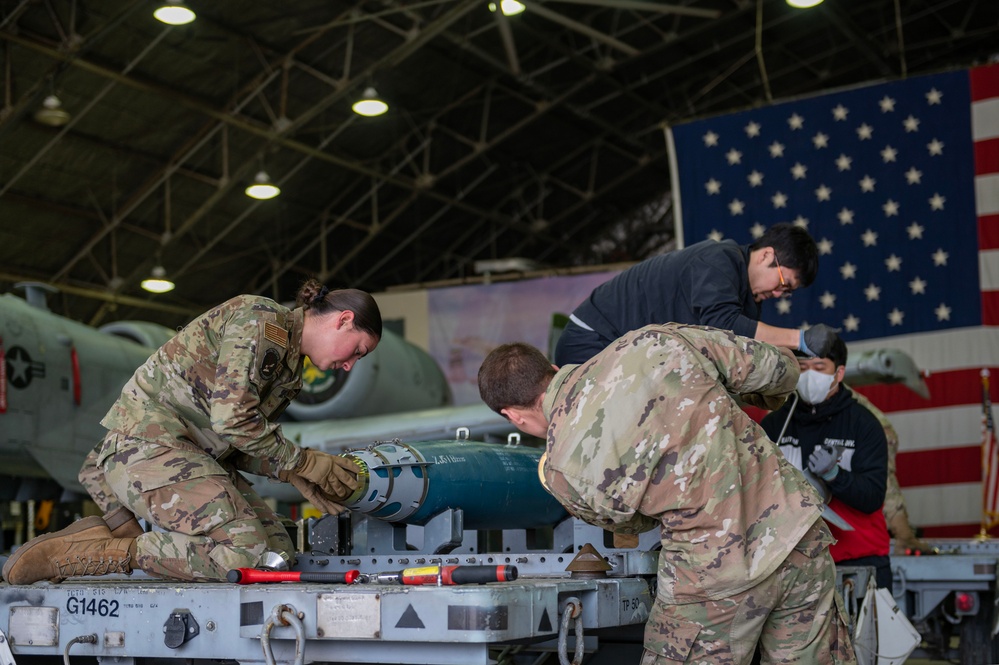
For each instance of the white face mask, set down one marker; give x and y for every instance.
(813, 386)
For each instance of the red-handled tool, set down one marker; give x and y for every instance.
(256, 576)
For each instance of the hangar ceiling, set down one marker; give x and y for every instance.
(537, 135)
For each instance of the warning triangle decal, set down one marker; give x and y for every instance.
(410, 619)
(546, 623)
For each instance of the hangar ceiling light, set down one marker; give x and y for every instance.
(262, 187)
(508, 7)
(804, 4)
(157, 281)
(174, 12)
(370, 104)
(52, 113)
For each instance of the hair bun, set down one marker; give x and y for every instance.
(323, 292)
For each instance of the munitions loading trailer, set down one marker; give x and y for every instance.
(137, 619)
(134, 620)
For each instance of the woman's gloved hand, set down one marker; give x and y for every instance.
(314, 495)
(336, 476)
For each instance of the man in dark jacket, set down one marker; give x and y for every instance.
(717, 284)
(838, 440)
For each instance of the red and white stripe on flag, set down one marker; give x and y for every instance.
(985, 133)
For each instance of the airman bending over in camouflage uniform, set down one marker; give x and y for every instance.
(647, 434)
(202, 408)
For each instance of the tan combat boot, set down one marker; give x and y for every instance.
(123, 524)
(85, 547)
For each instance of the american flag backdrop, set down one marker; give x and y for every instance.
(899, 185)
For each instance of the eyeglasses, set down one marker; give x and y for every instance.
(780, 274)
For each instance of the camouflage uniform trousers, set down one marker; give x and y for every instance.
(795, 615)
(211, 519)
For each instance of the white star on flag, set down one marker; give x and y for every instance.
(828, 300)
(887, 104)
(736, 207)
(776, 149)
(783, 306)
(870, 238)
(895, 316)
(891, 208)
(935, 147)
(823, 193)
(757, 230)
(917, 285)
(845, 216)
(911, 124)
(710, 139)
(755, 178)
(851, 323)
(942, 312)
(779, 200)
(848, 270)
(733, 156)
(864, 132)
(934, 96)
(940, 257)
(825, 246)
(820, 140)
(889, 154)
(913, 175)
(893, 263)
(798, 171)
(796, 121)
(867, 184)
(937, 202)
(915, 231)
(872, 292)
(713, 186)
(839, 112)
(753, 129)
(843, 162)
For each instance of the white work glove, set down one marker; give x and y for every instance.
(823, 462)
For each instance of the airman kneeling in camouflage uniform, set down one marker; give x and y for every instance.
(200, 410)
(647, 434)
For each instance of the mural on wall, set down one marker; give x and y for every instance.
(467, 322)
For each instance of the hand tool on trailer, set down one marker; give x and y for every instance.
(444, 575)
(256, 576)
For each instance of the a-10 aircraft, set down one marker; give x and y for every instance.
(59, 377)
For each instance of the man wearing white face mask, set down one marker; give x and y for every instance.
(838, 440)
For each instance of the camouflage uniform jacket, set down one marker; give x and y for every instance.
(219, 385)
(647, 433)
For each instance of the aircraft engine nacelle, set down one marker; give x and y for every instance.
(149, 335)
(396, 376)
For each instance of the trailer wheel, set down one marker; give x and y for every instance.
(976, 645)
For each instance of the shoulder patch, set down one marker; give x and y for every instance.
(269, 364)
(276, 334)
